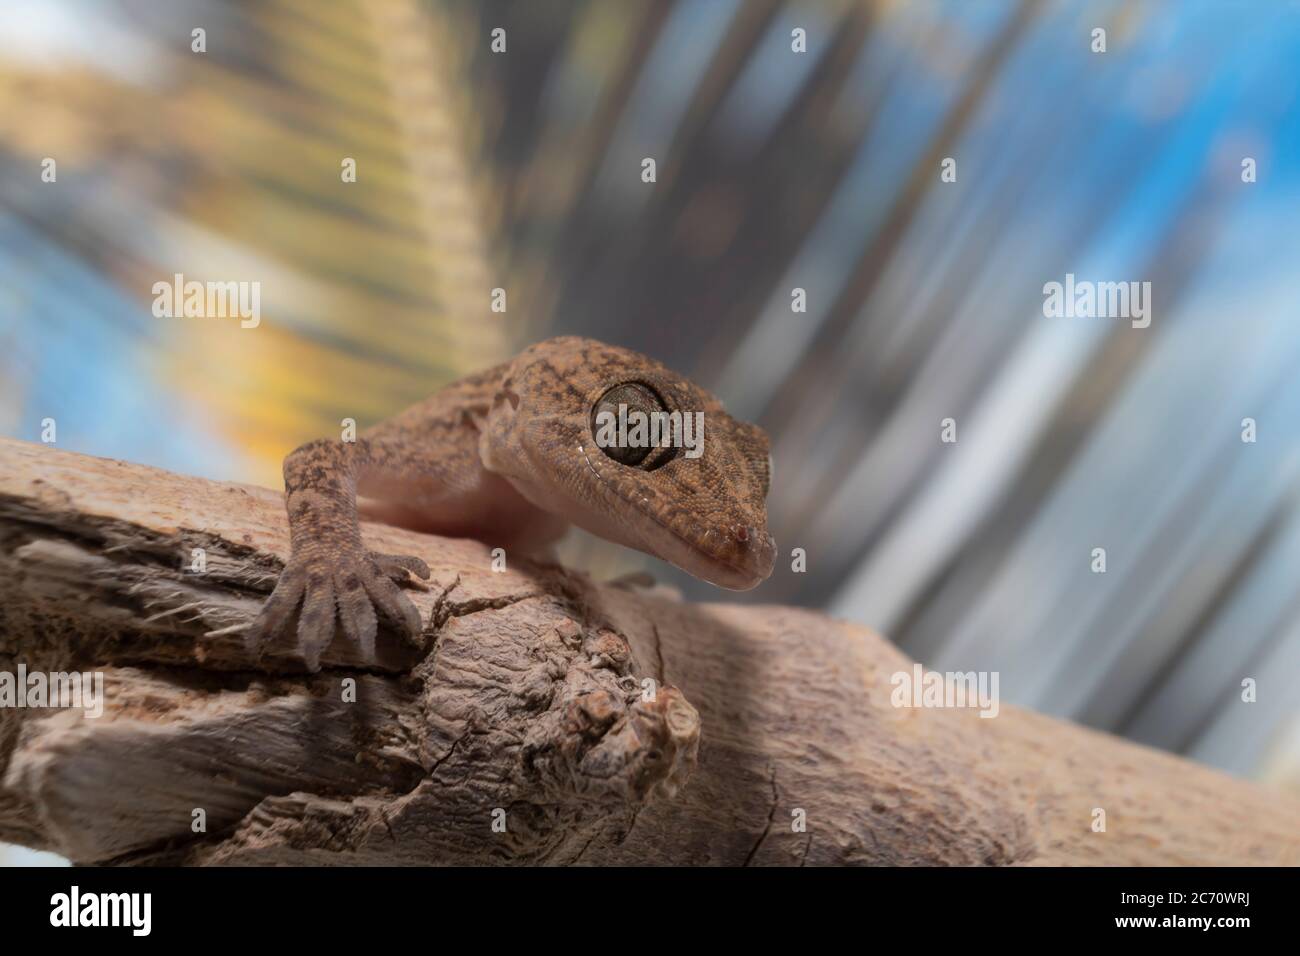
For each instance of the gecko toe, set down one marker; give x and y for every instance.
(358, 616)
(316, 621)
(275, 613)
(397, 566)
(395, 605)
(310, 647)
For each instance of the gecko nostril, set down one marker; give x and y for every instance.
(742, 535)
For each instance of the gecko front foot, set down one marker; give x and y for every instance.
(338, 588)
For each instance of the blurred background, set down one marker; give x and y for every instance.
(776, 170)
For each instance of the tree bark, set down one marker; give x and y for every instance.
(546, 719)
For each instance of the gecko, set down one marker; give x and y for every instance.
(509, 456)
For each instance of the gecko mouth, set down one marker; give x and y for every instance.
(737, 557)
(744, 558)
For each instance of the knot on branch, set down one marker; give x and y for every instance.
(558, 730)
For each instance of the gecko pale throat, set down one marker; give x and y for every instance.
(509, 456)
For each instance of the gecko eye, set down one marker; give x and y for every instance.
(614, 418)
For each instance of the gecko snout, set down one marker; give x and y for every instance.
(756, 550)
(752, 538)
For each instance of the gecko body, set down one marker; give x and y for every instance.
(509, 456)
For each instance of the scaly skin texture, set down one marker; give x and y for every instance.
(509, 456)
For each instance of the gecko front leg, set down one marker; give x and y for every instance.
(331, 578)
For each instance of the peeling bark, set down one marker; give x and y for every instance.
(526, 707)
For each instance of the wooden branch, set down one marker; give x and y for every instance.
(526, 708)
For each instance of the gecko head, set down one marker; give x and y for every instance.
(618, 444)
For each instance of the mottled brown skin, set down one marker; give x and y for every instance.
(508, 456)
